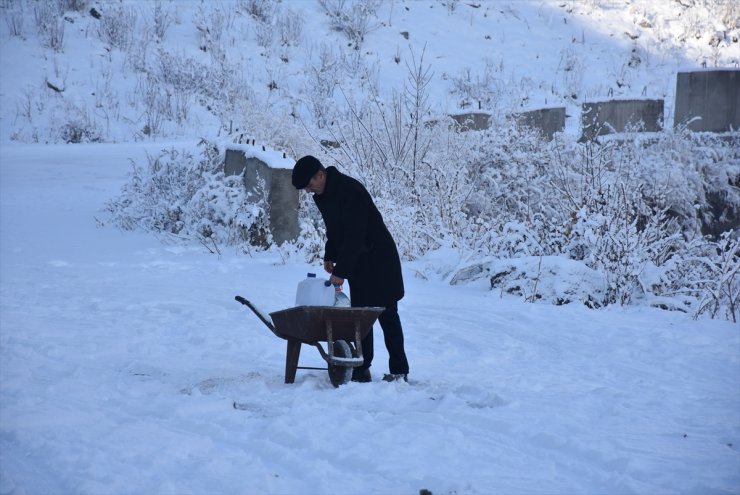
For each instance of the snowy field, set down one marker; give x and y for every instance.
(121, 359)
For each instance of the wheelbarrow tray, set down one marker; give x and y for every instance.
(308, 324)
(341, 328)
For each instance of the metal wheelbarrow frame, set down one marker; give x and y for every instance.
(341, 328)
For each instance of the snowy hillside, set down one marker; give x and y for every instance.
(142, 69)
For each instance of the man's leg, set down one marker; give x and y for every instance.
(393, 334)
(367, 350)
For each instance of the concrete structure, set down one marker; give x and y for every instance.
(282, 197)
(476, 121)
(546, 120)
(608, 117)
(713, 96)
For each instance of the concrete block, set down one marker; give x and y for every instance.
(476, 121)
(547, 120)
(282, 197)
(614, 116)
(711, 95)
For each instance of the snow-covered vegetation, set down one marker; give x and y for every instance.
(369, 86)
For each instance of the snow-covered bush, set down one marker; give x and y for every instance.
(79, 127)
(187, 197)
(290, 27)
(689, 168)
(353, 19)
(50, 24)
(513, 192)
(261, 10)
(212, 21)
(162, 19)
(552, 279)
(14, 18)
(117, 26)
(624, 208)
(704, 277)
(618, 225)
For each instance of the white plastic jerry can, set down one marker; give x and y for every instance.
(313, 291)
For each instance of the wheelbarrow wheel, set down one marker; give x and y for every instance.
(340, 375)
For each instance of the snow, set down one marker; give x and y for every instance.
(121, 359)
(126, 365)
(266, 155)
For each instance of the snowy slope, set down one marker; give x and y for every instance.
(495, 55)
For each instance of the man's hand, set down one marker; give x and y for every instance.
(328, 266)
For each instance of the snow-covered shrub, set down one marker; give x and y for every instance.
(183, 73)
(79, 127)
(312, 237)
(117, 26)
(265, 33)
(353, 19)
(551, 279)
(623, 207)
(322, 79)
(14, 18)
(689, 168)
(163, 17)
(187, 197)
(704, 277)
(450, 5)
(720, 290)
(617, 226)
(512, 192)
(290, 27)
(155, 103)
(261, 10)
(572, 70)
(50, 24)
(211, 23)
(168, 88)
(479, 91)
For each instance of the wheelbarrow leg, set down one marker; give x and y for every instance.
(291, 359)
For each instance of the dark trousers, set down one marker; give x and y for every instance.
(393, 335)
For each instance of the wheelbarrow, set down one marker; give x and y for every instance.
(341, 328)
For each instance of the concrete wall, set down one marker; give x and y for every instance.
(714, 96)
(547, 120)
(608, 117)
(281, 195)
(476, 121)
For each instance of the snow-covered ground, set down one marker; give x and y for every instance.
(121, 359)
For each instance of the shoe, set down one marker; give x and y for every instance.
(392, 377)
(361, 375)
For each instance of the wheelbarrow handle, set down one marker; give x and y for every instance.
(257, 312)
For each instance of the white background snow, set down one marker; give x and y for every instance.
(121, 357)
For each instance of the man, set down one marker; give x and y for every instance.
(360, 249)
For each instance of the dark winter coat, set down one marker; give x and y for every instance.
(359, 242)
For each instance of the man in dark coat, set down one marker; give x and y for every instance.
(360, 249)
